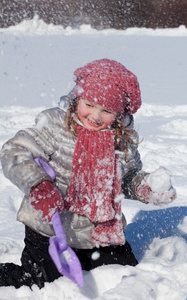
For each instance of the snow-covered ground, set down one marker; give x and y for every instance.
(36, 66)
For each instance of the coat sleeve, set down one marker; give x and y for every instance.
(132, 173)
(17, 158)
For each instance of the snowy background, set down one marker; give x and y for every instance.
(36, 66)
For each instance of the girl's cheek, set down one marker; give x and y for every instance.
(111, 120)
(80, 111)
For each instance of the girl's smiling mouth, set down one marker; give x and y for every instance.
(95, 123)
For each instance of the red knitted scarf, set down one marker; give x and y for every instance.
(95, 185)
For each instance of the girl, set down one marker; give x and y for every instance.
(92, 147)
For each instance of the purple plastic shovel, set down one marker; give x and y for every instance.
(63, 256)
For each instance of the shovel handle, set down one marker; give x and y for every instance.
(57, 225)
(46, 167)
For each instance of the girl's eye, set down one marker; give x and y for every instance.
(89, 105)
(106, 111)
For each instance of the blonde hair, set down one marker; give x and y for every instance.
(123, 136)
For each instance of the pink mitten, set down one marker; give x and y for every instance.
(47, 198)
(108, 233)
(156, 188)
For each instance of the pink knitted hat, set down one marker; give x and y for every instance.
(108, 83)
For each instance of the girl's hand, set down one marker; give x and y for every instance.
(46, 198)
(156, 188)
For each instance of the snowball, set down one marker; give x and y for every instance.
(95, 255)
(160, 180)
(183, 226)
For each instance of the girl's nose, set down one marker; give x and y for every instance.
(96, 114)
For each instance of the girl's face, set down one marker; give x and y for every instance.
(93, 116)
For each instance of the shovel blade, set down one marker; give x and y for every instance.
(66, 262)
(71, 266)
(63, 255)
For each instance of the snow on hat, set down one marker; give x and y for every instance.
(110, 84)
